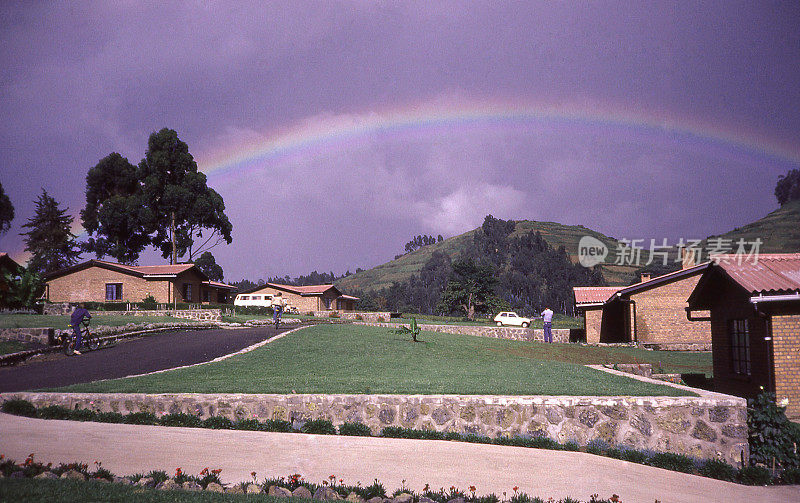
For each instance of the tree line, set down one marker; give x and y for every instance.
(497, 271)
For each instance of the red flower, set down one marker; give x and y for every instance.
(217, 471)
(205, 471)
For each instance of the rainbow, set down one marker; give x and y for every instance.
(323, 134)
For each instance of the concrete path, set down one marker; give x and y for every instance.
(129, 449)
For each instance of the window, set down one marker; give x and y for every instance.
(739, 333)
(187, 292)
(113, 291)
(256, 297)
(206, 296)
(327, 303)
(244, 297)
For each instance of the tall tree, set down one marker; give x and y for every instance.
(182, 206)
(208, 264)
(6, 211)
(49, 240)
(788, 187)
(21, 290)
(470, 287)
(115, 213)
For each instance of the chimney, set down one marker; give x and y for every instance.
(645, 277)
(687, 257)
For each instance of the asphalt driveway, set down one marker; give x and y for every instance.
(132, 356)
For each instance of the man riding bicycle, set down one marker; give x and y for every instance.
(78, 315)
(277, 308)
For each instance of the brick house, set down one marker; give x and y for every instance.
(101, 281)
(650, 313)
(755, 324)
(309, 298)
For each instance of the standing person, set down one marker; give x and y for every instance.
(75, 321)
(547, 319)
(277, 308)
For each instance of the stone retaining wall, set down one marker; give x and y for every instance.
(712, 426)
(512, 333)
(38, 335)
(63, 308)
(367, 316)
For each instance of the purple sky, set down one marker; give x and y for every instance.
(664, 119)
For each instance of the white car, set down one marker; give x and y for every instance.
(511, 318)
(259, 300)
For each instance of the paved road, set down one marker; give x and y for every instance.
(128, 449)
(132, 356)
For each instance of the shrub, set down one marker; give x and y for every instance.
(674, 462)
(249, 424)
(102, 473)
(355, 430)
(141, 418)
(278, 426)
(218, 423)
(110, 417)
(181, 419)
(373, 490)
(476, 439)
(770, 433)
(791, 476)
(718, 469)
(635, 456)
(754, 476)
(54, 412)
(84, 415)
(319, 427)
(597, 446)
(149, 303)
(19, 407)
(571, 446)
(158, 476)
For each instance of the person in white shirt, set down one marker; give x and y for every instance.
(547, 318)
(277, 308)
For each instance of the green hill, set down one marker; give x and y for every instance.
(779, 231)
(401, 269)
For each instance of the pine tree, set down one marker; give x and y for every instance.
(49, 240)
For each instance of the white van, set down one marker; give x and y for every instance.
(253, 299)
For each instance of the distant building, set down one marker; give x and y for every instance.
(308, 298)
(755, 324)
(101, 281)
(651, 313)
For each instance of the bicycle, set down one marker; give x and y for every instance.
(277, 315)
(89, 341)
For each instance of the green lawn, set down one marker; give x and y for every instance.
(111, 320)
(361, 359)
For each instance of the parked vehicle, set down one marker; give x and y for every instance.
(250, 299)
(511, 318)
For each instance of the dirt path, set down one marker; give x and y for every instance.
(133, 356)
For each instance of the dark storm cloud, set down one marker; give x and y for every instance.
(80, 80)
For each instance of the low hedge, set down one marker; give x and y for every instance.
(717, 469)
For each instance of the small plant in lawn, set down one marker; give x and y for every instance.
(217, 423)
(355, 430)
(19, 407)
(319, 427)
(412, 329)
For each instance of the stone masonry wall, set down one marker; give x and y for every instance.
(38, 335)
(705, 427)
(786, 350)
(512, 333)
(367, 316)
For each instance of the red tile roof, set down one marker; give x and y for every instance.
(135, 270)
(594, 294)
(217, 284)
(767, 272)
(302, 290)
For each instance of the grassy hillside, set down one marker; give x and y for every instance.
(556, 234)
(779, 231)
